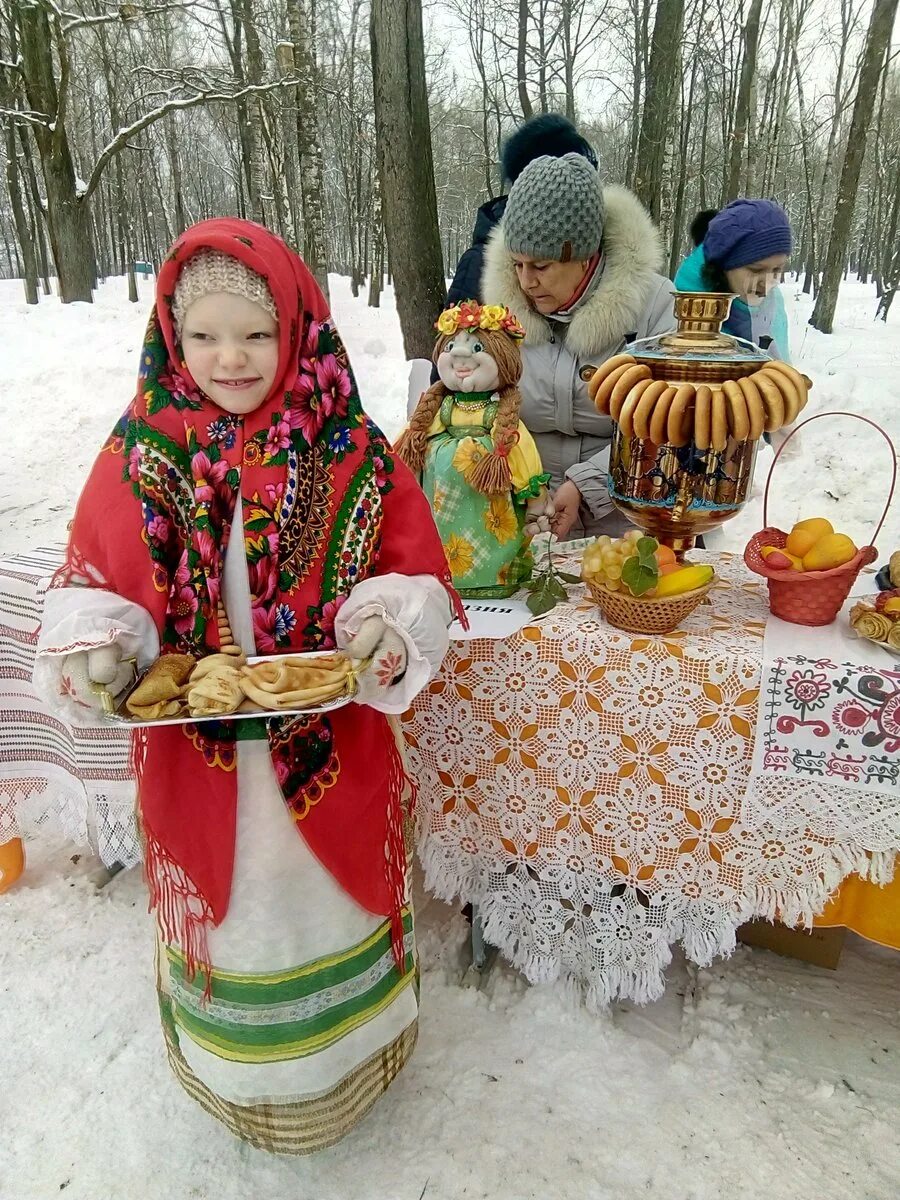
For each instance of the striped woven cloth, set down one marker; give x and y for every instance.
(75, 783)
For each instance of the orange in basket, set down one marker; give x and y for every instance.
(811, 597)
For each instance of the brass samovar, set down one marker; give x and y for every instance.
(693, 480)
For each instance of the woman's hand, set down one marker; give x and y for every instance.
(566, 503)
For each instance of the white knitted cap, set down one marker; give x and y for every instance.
(211, 271)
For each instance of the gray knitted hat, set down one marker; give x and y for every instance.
(211, 271)
(555, 210)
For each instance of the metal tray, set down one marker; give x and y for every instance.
(121, 716)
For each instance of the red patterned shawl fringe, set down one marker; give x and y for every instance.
(395, 851)
(184, 915)
(456, 603)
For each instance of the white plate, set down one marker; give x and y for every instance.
(122, 718)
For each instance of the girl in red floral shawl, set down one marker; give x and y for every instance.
(246, 474)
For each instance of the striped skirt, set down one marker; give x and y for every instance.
(307, 1020)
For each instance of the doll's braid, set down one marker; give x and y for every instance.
(412, 444)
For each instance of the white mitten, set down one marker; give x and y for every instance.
(86, 672)
(538, 513)
(376, 640)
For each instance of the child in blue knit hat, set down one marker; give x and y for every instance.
(744, 249)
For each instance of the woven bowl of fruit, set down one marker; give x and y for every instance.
(639, 584)
(811, 570)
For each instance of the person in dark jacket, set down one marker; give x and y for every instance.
(548, 134)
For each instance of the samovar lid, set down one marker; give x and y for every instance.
(698, 336)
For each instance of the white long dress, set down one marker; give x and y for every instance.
(309, 1019)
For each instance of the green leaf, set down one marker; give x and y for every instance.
(540, 603)
(568, 577)
(555, 588)
(638, 577)
(647, 546)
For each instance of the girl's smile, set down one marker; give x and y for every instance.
(230, 347)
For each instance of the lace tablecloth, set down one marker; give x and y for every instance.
(587, 789)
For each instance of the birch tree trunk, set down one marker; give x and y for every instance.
(309, 145)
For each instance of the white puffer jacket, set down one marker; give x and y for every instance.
(631, 300)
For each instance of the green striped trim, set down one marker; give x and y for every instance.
(290, 1014)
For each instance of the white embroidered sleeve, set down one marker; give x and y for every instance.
(77, 620)
(417, 608)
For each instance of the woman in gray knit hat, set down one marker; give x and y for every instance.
(577, 263)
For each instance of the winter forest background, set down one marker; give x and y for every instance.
(367, 133)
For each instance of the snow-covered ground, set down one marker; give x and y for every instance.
(759, 1078)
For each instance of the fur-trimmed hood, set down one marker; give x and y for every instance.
(633, 254)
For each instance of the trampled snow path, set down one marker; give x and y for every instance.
(757, 1078)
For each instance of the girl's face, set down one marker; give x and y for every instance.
(230, 347)
(754, 282)
(547, 284)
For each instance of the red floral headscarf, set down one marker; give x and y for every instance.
(324, 505)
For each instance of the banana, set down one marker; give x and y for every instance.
(687, 579)
(738, 417)
(789, 391)
(623, 385)
(650, 392)
(756, 410)
(719, 421)
(659, 422)
(703, 417)
(772, 399)
(605, 370)
(676, 433)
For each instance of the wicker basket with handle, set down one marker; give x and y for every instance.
(646, 614)
(811, 597)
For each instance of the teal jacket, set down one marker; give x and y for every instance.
(767, 321)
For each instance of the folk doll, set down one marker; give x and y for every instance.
(245, 477)
(478, 464)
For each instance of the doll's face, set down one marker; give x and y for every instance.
(465, 366)
(230, 347)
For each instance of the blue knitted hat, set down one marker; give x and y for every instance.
(746, 231)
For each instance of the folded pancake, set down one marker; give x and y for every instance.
(163, 682)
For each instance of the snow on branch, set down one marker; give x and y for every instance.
(22, 117)
(123, 14)
(124, 135)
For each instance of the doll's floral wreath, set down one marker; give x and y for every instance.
(494, 318)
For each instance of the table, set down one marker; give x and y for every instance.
(589, 790)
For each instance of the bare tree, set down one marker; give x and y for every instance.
(743, 118)
(406, 172)
(878, 40)
(658, 104)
